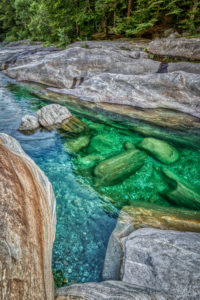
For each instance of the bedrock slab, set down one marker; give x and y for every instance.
(181, 47)
(109, 290)
(144, 216)
(163, 259)
(28, 224)
(179, 91)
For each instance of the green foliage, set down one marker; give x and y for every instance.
(65, 21)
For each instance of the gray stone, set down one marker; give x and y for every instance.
(183, 48)
(29, 123)
(52, 115)
(165, 260)
(109, 290)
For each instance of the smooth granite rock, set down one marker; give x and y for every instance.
(159, 149)
(166, 260)
(28, 224)
(182, 47)
(109, 290)
(144, 215)
(52, 115)
(29, 123)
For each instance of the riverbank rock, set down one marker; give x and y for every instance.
(181, 47)
(29, 123)
(28, 224)
(161, 150)
(180, 191)
(108, 290)
(119, 167)
(162, 259)
(144, 215)
(52, 115)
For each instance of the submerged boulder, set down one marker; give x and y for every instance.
(180, 192)
(89, 161)
(119, 167)
(52, 115)
(76, 144)
(160, 150)
(100, 144)
(29, 123)
(74, 126)
(28, 224)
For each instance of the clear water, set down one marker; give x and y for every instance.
(86, 212)
(83, 226)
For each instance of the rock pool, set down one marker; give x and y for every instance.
(86, 208)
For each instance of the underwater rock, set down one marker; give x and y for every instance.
(182, 47)
(29, 123)
(160, 150)
(52, 115)
(28, 224)
(74, 126)
(129, 146)
(76, 144)
(100, 144)
(89, 161)
(106, 290)
(119, 167)
(142, 215)
(180, 192)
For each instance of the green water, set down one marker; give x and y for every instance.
(87, 211)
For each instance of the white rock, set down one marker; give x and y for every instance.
(29, 122)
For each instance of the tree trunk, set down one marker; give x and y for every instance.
(129, 10)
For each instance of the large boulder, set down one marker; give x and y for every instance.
(183, 48)
(28, 224)
(29, 123)
(52, 115)
(144, 215)
(162, 259)
(109, 290)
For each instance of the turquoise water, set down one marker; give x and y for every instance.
(87, 206)
(83, 226)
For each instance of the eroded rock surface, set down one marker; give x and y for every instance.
(29, 123)
(27, 222)
(108, 290)
(165, 260)
(182, 47)
(53, 115)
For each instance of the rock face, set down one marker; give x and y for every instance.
(28, 220)
(165, 260)
(108, 290)
(116, 73)
(29, 123)
(183, 48)
(138, 216)
(53, 115)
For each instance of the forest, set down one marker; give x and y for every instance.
(64, 21)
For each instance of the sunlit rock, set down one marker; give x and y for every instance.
(28, 224)
(29, 123)
(180, 191)
(52, 115)
(119, 167)
(160, 150)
